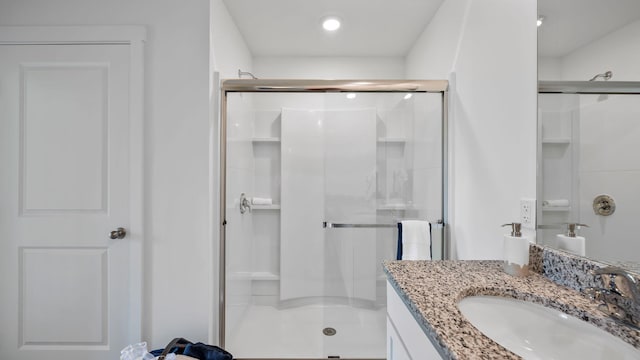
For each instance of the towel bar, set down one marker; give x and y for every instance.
(336, 225)
(329, 225)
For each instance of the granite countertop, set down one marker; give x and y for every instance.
(432, 289)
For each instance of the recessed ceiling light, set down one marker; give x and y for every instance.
(351, 96)
(540, 20)
(331, 23)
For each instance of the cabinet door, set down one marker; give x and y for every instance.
(395, 347)
(416, 342)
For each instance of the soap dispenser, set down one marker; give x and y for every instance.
(570, 242)
(516, 252)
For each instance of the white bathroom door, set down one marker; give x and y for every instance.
(64, 186)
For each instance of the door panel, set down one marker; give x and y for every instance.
(63, 169)
(64, 187)
(49, 313)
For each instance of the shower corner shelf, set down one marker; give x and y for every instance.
(266, 207)
(264, 275)
(564, 141)
(392, 140)
(266, 140)
(394, 207)
(556, 208)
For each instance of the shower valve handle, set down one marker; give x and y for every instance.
(245, 204)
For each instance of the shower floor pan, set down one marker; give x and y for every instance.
(306, 332)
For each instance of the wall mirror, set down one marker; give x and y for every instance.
(589, 127)
(579, 39)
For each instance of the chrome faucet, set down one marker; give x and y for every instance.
(620, 298)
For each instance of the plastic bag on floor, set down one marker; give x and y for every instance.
(136, 352)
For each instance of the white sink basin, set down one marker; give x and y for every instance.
(537, 332)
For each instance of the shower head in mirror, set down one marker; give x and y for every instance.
(606, 76)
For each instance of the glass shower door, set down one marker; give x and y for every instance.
(382, 165)
(329, 159)
(304, 276)
(354, 318)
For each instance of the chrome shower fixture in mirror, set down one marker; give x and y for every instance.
(604, 205)
(606, 76)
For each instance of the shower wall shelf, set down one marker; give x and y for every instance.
(266, 140)
(392, 140)
(266, 207)
(264, 275)
(557, 141)
(556, 208)
(395, 207)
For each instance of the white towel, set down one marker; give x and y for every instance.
(555, 203)
(416, 240)
(261, 201)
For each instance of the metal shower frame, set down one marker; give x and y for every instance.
(320, 86)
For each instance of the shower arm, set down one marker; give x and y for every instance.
(606, 76)
(242, 73)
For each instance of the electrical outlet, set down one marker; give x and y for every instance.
(528, 213)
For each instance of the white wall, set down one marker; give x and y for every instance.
(230, 51)
(329, 67)
(549, 68)
(176, 294)
(493, 114)
(433, 56)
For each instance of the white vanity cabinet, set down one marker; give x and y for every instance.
(405, 338)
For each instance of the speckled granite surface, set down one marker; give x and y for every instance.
(432, 290)
(564, 268)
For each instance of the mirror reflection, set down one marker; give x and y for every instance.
(579, 39)
(589, 171)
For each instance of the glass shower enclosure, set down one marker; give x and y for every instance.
(315, 176)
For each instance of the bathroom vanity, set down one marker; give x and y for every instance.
(405, 337)
(424, 321)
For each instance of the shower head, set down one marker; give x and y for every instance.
(606, 76)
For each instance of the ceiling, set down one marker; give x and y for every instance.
(369, 27)
(571, 24)
(391, 27)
